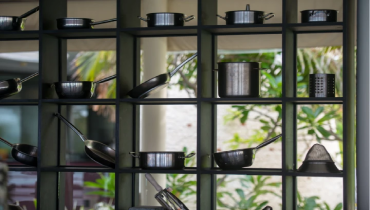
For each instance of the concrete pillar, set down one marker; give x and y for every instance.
(153, 117)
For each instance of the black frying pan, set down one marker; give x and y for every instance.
(23, 153)
(157, 83)
(236, 159)
(13, 86)
(95, 150)
(79, 23)
(78, 90)
(15, 23)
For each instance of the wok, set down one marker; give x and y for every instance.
(157, 83)
(236, 159)
(13, 86)
(95, 150)
(78, 90)
(23, 153)
(15, 23)
(79, 23)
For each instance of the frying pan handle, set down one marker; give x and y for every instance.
(221, 17)
(189, 18)
(190, 155)
(30, 12)
(103, 21)
(268, 141)
(29, 77)
(133, 154)
(143, 19)
(182, 64)
(268, 16)
(71, 126)
(6, 142)
(152, 181)
(106, 79)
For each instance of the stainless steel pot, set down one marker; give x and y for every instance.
(239, 79)
(161, 160)
(319, 15)
(246, 16)
(166, 19)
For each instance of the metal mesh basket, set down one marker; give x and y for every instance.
(318, 160)
(322, 85)
(318, 153)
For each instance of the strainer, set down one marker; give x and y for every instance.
(318, 160)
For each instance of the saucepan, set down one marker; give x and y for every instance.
(13, 86)
(78, 90)
(236, 159)
(161, 160)
(319, 15)
(246, 16)
(80, 23)
(23, 153)
(15, 23)
(166, 19)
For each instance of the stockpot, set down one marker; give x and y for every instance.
(166, 19)
(319, 15)
(246, 16)
(161, 160)
(239, 79)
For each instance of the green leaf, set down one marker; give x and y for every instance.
(308, 112)
(318, 111)
(323, 132)
(311, 131)
(339, 206)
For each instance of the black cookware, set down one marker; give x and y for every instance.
(161, 160)
(14, 207)
(239, 79)
(157, 83)
(13, 86)
(166, 19)
(319, 15)
(318, 160)
(15, 23)
(246, 16)
(80, 23)
(23, 153)
(322, 85)
(78, 90)
(95, 150)
(236, 159)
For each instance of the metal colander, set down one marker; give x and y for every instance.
(318, 160)
(318, 153)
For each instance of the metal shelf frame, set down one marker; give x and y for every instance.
(52, 51)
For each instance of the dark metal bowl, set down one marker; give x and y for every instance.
(75, 90)
(319, 15)
(318, 167)
(26, 154)
(12, 23)
(235, 159)
(10, 87)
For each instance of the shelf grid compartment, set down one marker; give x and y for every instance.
(127, 127)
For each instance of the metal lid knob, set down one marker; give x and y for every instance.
(248, 7)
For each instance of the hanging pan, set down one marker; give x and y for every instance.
(236, 159)
(15, 23)
(23, 153)
(95, 150)
(78, 90)
(80, 23)
(13, 86)
(157, 83)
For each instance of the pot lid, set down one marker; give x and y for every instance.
(316, 10)
(247, 9)
(165, 13)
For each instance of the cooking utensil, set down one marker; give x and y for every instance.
(239, 79)
(267, 208)
(95, 150)
(161, 160)
(23, 153)
(13, 86)
(157, 83)
(15, 23)
(322, 85)
(166, 19)
(172, 203)
(78, 90)
(318, 160)
(236, 159)
(319, 15)
(80, 23)
(246, 16)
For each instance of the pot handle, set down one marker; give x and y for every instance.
(221, 17)
(103, 21)
(190, 155)
(268, 141)
(143, 19)
(106, 79)
(30, 12)
(268, 16)
(189, 18)
(133, 154)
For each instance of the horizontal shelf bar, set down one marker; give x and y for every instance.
(19, 35)
(83, 33)
(163, 101)
(189, 170)
(162, 31)
(245, 171)
(77, 169)
(80, 101)
(316, 27)
(331, 100)
(244, 29)
(19, 102)
(21, 168)
(295, 173)
(243, 100)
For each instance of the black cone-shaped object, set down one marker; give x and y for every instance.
(318, 160)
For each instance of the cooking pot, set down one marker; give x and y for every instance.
(166, 19)
(239, 79)
(15, 23)
(319, 15)
(246, 16)
(161, 160)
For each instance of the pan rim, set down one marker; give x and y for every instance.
(165, 13)
(72, 18)
(161, 152)
(314, 10)
(24, 152)
(11, 17)
(68, 82)
(236, 150)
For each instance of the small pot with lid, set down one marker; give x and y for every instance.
(239, 79)
(162, 160)
(246, 16)
(166, 19)
(319, 15)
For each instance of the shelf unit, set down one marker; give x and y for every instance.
(52, 45)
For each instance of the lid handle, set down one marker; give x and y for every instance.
(248, 7)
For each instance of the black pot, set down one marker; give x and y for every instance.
(162, 160)
(15, 23)
(79, 23)
(318, 167)
(246, 17)
(319, 15)
(166, 19)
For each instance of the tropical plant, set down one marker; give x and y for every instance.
(313, 203)
(105, 186)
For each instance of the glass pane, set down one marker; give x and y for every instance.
(22, 189)
(235, 192)
(87, 190)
